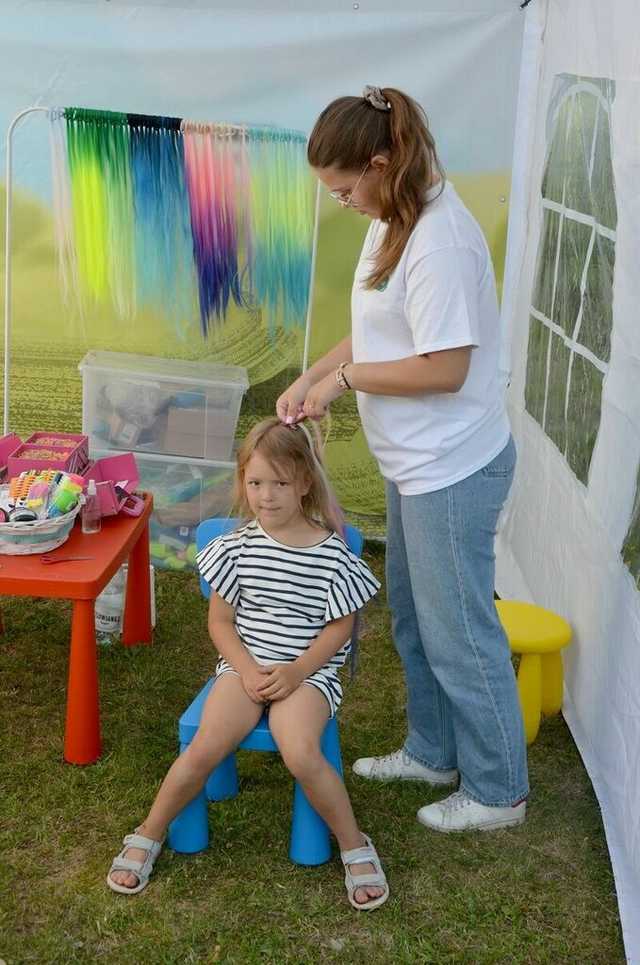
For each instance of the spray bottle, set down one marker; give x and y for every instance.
(91, 517)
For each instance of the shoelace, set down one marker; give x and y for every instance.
(455, 802)
(398, 757)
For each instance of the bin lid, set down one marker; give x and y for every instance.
(178, 370)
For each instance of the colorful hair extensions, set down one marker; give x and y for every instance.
(150, 210)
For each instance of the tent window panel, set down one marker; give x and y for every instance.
(554, 422)
(564, 376)
(605, 209)
(580, 136)
(597, 308)
(574, 247)
(543, 287)
(558, 158)
(583, 415)
(536, 384)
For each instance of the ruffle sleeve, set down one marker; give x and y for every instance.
(217, 563)
(352, 586)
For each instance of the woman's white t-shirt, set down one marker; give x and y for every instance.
(441, 295)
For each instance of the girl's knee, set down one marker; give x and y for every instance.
(302, 756)
(200, 757)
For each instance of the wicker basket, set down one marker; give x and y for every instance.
(40, 536)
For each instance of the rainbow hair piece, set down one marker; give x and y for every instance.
(281, 212)
(152, 210)
(100, 189)
(211, 180)
(163, 246)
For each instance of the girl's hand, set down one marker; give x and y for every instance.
(252, 679)
(289, 407)
(320, 396)
(282, 680)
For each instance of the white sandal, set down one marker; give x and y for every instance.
(367, 853)
(141, 869)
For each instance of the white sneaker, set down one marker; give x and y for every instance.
(400, 766)
(459, 812)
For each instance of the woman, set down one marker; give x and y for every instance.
(422, 358)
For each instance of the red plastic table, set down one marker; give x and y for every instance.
(82, 581)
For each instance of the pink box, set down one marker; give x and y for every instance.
(8, 444)
(112, 471)
(80, 442)
(69, 454)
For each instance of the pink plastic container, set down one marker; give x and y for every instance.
(112, 471)
(79, 441)
(68, 451)
(8, 444)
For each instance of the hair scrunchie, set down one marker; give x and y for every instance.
(375, 97)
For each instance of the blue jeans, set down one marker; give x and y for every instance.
(462, 702)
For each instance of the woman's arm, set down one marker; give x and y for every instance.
(430, 374)
(284, 678)
(434, 372)
(289, 405)
(329, 362)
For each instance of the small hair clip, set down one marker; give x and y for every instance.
(375, 97)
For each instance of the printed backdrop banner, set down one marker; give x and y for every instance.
(571, 539)
(272, 63)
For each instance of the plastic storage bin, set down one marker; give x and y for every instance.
(166, 406)
(185, 491)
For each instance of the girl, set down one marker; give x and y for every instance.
(286, 591)
(423, 358)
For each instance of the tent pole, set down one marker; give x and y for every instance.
(314, 252)
(7, 258)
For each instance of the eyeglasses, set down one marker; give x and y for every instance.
(345, 198)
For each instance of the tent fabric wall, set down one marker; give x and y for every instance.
(572, 287)
(276, 63)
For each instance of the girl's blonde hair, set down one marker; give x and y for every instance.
(350, 131)
(296, 452)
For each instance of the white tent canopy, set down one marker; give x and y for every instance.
(570, 540)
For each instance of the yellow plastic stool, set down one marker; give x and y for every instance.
(538, 635)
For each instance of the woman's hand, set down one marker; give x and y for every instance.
(252, 679)
(320, 396)
(282, 680)
(289, 407)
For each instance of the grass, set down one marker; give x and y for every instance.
(542, 893)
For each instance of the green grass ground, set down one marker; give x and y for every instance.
(542, 893)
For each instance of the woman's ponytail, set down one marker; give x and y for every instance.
(352, 130)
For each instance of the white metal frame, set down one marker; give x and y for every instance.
(8, 266)
(7, 257)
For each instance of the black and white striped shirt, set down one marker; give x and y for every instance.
(284, 595)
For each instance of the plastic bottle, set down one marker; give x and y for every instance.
(64, 497)
(108, 608)
(91, 518)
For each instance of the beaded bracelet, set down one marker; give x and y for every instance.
(341, 378)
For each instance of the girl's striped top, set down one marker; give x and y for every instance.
(284, 595)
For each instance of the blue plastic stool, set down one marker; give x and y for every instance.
(189, 831)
